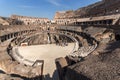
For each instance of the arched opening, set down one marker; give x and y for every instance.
(117, 37)
(28, 23)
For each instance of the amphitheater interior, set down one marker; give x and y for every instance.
(88, 49)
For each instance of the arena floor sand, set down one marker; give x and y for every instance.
(48, 53)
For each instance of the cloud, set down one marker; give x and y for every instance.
(54, 2)
(26, 6)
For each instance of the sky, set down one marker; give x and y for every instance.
(40, 8)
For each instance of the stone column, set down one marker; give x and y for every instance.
(18, 33)
(61, 65)
(119, 22)
(0, 40)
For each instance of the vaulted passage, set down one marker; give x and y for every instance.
(117, 37)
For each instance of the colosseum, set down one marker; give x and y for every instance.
(82, 44)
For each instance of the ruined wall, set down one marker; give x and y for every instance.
(30, 20)
(101, 8)
(64, 14)
(100, 13)
(102, 67)
(64, 17)
(105, 7)
(3, 22)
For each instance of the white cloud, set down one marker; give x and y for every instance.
(26, 6)
(54, 2)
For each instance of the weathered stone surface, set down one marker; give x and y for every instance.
(103, 35)
(104, 7)
(61, 64)
(8, 77)
(98, 67)
(30, 20)
(3, 22)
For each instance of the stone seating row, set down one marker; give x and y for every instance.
(89, 44)
(14, 66)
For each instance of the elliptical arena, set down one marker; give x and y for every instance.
(76, 45)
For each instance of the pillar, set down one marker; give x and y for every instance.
(119, 22)
(0, 39)
(18, 33)
(61, 65)
(21, 33)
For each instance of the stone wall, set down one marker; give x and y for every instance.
(3, 22)
(86, 15)
(30, 20)
(64, 14)
(104, 66)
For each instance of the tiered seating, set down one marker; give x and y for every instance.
(7, 63)
(84, 51)
(101, 8)
(87, 44)
(26, 34)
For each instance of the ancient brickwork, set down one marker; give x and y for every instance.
(30, 20)
(100, 13)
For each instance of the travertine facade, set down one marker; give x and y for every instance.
(31, 20)
(3, 22)
(64, 14)
(100, 13)
(64, 17)
(96, 53)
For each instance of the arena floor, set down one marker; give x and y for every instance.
(48, 53)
